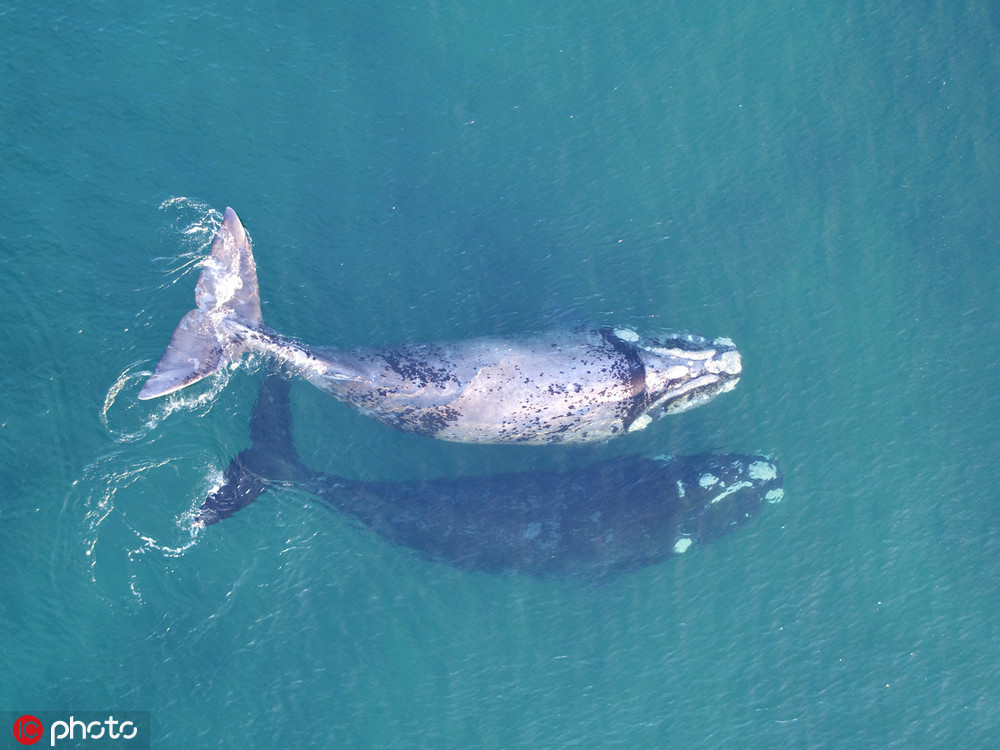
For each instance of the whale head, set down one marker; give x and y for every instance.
(721, 493)
(682, 371)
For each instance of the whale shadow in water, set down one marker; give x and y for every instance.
(604, 519)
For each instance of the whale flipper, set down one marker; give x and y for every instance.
(226, 292)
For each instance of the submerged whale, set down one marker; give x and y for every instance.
(608, 518)
(568, 386)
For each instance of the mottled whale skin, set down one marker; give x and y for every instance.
(593, 522)
(570, 386)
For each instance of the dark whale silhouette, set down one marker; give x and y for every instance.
(564, 386)
(613, 516)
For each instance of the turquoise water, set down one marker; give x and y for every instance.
(817, 183)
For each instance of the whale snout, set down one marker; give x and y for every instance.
(726, 364)
(733, 491)
(685, 370)
(727, 360)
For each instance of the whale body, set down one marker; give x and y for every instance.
(566, 386)
(604, 519)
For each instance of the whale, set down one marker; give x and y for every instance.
(575, 385)
(591, 522)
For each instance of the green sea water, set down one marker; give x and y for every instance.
(817, 181)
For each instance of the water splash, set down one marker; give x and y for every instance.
(120, 522)
(150, 545)
(117, 493)
(129, 420)
(192, 227)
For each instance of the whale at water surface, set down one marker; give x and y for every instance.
(592, 522)
(567, 386)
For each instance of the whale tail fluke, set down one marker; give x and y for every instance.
(271, 459)
(226, 292)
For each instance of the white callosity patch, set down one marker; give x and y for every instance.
(729, 362)
(627, 334)
(640, 423)
(708, 480)
(775, 496)
(762, 471)
(680, 488)
(691, 355)
(730, 490)
(682, 544)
